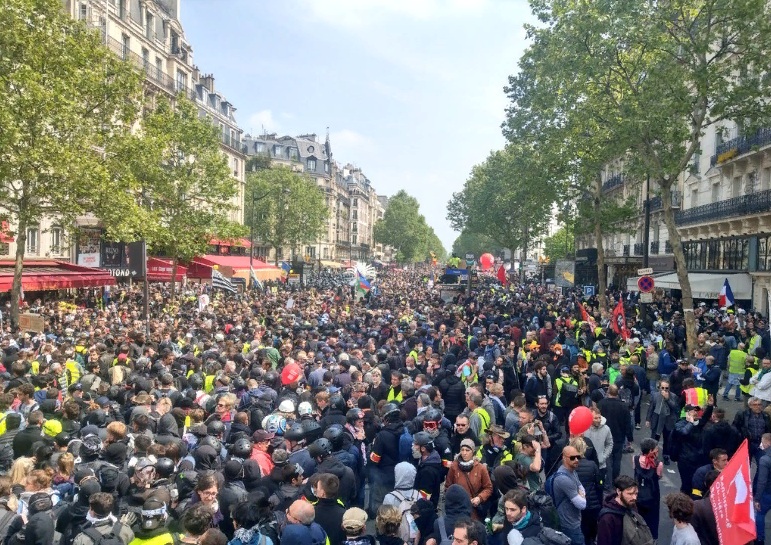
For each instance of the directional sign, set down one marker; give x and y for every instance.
(644, 272)
(645, 283)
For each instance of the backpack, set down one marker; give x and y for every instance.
(542, 503)
(445, 539)
(408, 528)
(625, 395)
(646, 491)
(110, 538)
(548, 536)
(635, 529)
(5, 522)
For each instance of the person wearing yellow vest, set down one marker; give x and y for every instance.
(152, 530)
(744, 384)
(692, 395)
(74, 371)
(495, 452)
(737, 360)
(479, 419)
(395, 391)
(567, 393)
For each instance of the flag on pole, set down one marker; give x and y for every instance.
(731, 498)
(253, 278)
(219, 281)
(586, 318)
(362, 284)
(726, 298)
(618, 322)
(502, 278)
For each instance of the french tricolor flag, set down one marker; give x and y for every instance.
(726, 297)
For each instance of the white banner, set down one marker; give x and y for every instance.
(89, 260)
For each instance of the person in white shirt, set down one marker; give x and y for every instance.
(680, 509)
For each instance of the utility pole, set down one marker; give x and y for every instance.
(646, 242)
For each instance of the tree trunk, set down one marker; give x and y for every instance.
(602, 281)
(18, 269)
(680, 266)
(174, 263)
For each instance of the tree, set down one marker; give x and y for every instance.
(434, 245)
(507, 198)
(476, 244)
(666, 72)
(286, 208)
(181, 180)
(404, 228)
(66, 100)
(560, 245)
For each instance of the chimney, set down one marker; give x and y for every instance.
(207, 80)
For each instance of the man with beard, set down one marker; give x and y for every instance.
(430, 471)
(615, 508)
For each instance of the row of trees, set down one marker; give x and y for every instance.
(636, 82)
(403, 227)
(79, 137)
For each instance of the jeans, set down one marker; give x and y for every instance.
(760, 516)
(686, 468)
(575, 534)
(614, 464)
(733, 380)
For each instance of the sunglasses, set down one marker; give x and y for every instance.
(574, 458)
(663, 388)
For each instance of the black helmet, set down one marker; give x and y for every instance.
(353, 415)
(239, 383)
(334, 434)
(390, 410)
(432, 414)
(320, 448)
(242, 448)
(153, 513)
(212, 442)
(312, 430)
(382, 355)
(164, 467)
(91, 446)
(271, 378)
(337, 402)
(295, 432)
(215, 428)
(196, 381)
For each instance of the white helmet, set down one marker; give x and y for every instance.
(274, 423)
(305, 409)
(286, 406)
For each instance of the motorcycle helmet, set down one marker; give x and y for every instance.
(215, 428)
(286, 406)
(295, 432)
(334, 434)
(320, 448)
(274, 423)
(164, 467)
(242, 448)
(305, 409)
(153, 514)
(312, 430)
(390, 411)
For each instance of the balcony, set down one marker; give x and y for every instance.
(613, 182)
(626, 250)
(746, 205)
(654, 247)
(233, 142)
(740, 145)
(657, 204)
(638, 248)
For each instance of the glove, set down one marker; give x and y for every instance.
(129, 519)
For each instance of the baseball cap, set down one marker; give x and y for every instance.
(468, 443)
(690, 407)
(261, 436)
(354, 519)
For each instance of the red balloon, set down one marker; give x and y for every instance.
(486, 260)
(580, 420)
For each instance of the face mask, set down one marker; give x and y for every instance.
(91, 518)
(416, 452)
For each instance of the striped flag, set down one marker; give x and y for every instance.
(253, 278)
(219, 281)
(362, 285)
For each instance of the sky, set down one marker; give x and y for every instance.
(410, 90)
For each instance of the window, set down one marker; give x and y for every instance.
(764, 254)
(82, 12)
(766, 179)
(293, 153)
(158, 67)
(174, 42)
(259, 147)
(325, 253)
(33, 239)
(5, 248)
(277, 151)
(181, 81)
(736, 186)
(716, 192)
(56, 240)
(126, 49)
(694, 198)
(750, 183)
(149, 26)
(145, 59)
(326, 166)
(311, 164)
(353, 239)
(122, 9)
(355, 202)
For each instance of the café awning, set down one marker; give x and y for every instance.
(159, 270)
(48, 275)
(232, 265)
(703, 285)
(238, 242)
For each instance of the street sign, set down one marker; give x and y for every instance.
(470, 258)
(644, 272)
(646, 297)
(645, 283)
(588, 291)
(31, 322)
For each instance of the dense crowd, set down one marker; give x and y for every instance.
(313, 416)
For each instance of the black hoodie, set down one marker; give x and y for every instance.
(332, 465)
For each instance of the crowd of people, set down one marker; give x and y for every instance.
(317, 416)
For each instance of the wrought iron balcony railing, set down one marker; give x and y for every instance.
(746, 205)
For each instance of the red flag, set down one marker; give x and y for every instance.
(618, 321)
(502, 276)
(731, 496)
(586, 318)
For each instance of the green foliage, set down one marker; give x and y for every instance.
(286, 208)
(560, 245)
(66, 100)
(476, 244)
(507, 198)
(181, 181)
(404, 228)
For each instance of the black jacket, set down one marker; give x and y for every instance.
(430, 476)
(22, 443)
(332, 465)
(721, 435)
(454, 396)
(591, 477)
(385, 448)
(329, 515)
(689, 439)
(535, 387)
(741, 421)
(617, 416)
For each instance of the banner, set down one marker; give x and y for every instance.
(586, 318)
(731, 496)
(618, 321)
(565, 273)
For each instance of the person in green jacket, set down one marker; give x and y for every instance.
(736, 365)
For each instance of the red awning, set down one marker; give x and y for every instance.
(159, 270)
(235, 262)
(238, 243)
(53, 275)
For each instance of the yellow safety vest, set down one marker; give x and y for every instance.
(161, 539)
(208, 383)
(74, 369)
(746, 389)
(485, 418)
(391, 397)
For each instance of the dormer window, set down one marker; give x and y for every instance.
(277, 151)
(311, 164)
(259, 147)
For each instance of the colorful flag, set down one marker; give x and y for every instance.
(731, 497)
(502, 278)
(618, 322)
(362, 285)
(726, 298)
(253, 278)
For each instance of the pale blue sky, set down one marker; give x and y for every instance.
(411, 90)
